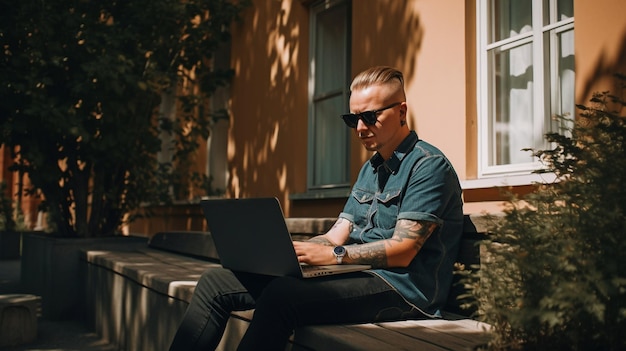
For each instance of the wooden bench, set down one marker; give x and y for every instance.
(137, 298)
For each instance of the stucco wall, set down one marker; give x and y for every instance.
(431, 41)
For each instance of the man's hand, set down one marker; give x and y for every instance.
(314, 253)
(319, 249)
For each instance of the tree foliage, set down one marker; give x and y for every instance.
(81, 83)
(552, 277)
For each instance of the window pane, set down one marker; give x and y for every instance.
(331, 50)
(331, 148)
(565, 9)
(509, 18)
(557, 10)
(512, 126)
(560, 75)
(565, 62)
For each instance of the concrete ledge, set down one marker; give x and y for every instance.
(138, 298)
(18, 319)
(162, 272)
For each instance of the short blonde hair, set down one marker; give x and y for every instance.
(378, 75)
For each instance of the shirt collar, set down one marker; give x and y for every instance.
(393, 163)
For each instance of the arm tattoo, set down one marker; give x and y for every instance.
(413, 230)
(374, 253)
(323, 239)
(371, 253)
(340, 220)
(320, 239)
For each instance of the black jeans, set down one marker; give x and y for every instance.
(282, 304)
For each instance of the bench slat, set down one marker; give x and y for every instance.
(452, 335)
(361, 337)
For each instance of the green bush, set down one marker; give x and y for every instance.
(552, 274)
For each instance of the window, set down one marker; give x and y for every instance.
(328, 149)
(526, 77)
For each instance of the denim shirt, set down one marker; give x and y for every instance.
(417, 183)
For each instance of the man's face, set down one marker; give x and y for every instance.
(387, 132)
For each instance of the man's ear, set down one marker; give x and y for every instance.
(403, 109)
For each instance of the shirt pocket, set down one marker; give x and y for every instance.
(376, 209)
(364, 199)
(387, 208)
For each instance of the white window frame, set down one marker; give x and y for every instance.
(545, 89)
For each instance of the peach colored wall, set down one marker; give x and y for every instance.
(29, 204)
(432, 41)
(436, 90)
(471, 103)
(426, 40)
(6, 176)
(268, 134)
(600, 44)
(394, 39)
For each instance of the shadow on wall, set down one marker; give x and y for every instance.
(392, 39)
(605, 68)
(270, 95)
(271, 65)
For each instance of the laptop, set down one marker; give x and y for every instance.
(251, 235)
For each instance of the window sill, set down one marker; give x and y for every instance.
(508, 180)
(333, 193)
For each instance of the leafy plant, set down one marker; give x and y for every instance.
(82, 83)
(553, 272)
(11, 216)
(6, 210)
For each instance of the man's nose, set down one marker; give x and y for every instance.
(360, 125)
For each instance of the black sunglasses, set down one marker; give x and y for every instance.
(368, 117)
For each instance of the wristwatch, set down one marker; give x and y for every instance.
(339, 252)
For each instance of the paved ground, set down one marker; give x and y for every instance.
(52, 335)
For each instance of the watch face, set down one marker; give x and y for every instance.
(339, 250)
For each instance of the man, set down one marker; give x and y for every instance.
(404, 218)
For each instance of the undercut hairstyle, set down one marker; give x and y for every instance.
(378, 75)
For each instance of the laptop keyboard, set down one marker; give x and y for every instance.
(307, 268)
